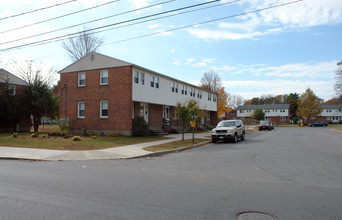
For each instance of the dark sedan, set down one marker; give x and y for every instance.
(318, 124)
(264, 125)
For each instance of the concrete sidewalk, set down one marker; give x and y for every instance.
(124, 152)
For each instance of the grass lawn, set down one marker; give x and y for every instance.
(59, 143)
(174, 145)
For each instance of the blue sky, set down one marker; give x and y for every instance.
(276, 51)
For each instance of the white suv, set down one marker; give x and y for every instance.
(228, 130)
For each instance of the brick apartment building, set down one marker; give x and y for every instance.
(18, 87)
(102, 94)
(276, 113)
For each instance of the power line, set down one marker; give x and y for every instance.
(39, 9)
(105, 26)
(169, 30)
(60, 29)
(205, 22)
(61, 16)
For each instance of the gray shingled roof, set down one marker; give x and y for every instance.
(4, 74)
(331, 106)
(253, 107)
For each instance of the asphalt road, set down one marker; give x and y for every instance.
(291, 173)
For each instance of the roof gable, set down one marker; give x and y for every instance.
(13, 79)
(94, 60)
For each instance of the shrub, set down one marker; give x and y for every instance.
(111, 134)
(34, 135)
(140, 127)
(93, 137)
(15, 134)
(76, 138)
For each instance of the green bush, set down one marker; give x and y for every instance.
(76, 138)
(15, 134)
(93, 137)
(140, 127)
(34, 135)
(112, 134)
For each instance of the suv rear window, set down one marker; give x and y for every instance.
(227, 124)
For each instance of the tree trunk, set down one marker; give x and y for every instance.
(36, 122)
(183, 132)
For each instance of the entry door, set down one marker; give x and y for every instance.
(144, 111)
(166, 112)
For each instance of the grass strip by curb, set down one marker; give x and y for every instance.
(174, 145)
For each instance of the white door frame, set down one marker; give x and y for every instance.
(144, 111)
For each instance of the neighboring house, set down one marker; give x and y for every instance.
(331, 114)
(102, 94)
(18, 87)
(230, 114)
(276, 113)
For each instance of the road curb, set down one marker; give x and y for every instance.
(160, 153)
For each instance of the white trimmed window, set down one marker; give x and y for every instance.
(81, 79)
(103, 109)
(136, 76)
(142, 78)
(283, 118)
(214, 98)
(174, 87)
(152, 81)
(12, 89)
(103, 77)
(208, 115)
(193, 94)
(199, 95)
(157, 82)
(81, 110)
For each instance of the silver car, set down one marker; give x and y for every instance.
(228, 130)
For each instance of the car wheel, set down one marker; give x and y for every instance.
(312, 126)
(323, 126)
(214, 140)
(235, 138)
(243, 137)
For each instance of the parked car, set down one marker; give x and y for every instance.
(264, 125)
(318, 124)
(228, 130)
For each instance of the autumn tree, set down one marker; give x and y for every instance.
(309, 105)
(187, 112)
(81, 45)
(211, 81)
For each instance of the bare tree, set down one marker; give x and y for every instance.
(234, 101)
(211, 81)
(30, 71)
(81, 45)
(338, 84)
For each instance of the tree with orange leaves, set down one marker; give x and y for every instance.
(212, 82)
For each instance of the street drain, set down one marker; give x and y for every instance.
(255, 216)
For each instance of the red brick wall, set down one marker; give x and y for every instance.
(25, 122)
(156, 115)
(118, 93)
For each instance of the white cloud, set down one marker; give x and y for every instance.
(139, 3)
(153, 26)
(304, 14)
(173, 50)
